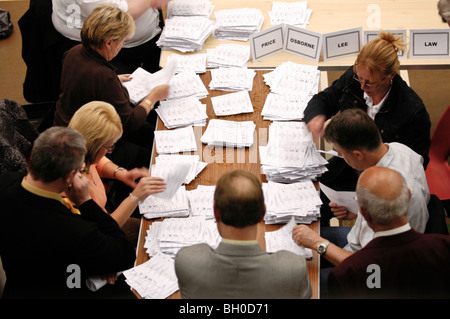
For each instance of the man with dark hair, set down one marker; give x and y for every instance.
(239, 268)
(49, 246)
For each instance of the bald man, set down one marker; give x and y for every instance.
(399, 262)
(238, 267)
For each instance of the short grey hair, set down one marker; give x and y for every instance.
(384, 210)
(57, 151)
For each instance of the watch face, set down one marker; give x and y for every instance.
(321, 249)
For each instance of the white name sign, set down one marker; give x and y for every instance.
(304, 43)
(342, 43)
(372, 34)
(267, 42)
(432, 43)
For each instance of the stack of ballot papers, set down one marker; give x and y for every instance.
(202, 8)
(142, 81)
(293, 13)
(186, 84)
(182, 112)
(222, 133)
(281, 239)
(233, 103)
(279, 107)
(177, 162)
(172, 234)
(299, 200)
(201, 201)
(237, 24)
(175, 141)
(228, 55)
(189, 63)
(154, 279)
(290, 154)
(157, 207)
(185, 34)
(232, 79)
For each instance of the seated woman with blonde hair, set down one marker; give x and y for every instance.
(101, 126)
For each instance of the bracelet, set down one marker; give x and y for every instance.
(116, 170)
(133, 197)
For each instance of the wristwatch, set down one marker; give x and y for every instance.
(322, 248)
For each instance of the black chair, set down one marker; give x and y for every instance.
(41, 115)
(436, 222)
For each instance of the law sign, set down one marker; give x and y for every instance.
(342, 43)
(304, 43)
(431, 43)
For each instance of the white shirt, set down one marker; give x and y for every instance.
(68, 17)
(410, 164)
(394, 231)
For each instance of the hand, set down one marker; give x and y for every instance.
(306, 237)
(125, 77)
(129, 177)
(340, 212)
(148, 186)
(159, 93)
(110, 278)
(78, 191)
(315, 126)
(158, 4)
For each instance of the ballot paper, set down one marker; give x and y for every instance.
(189, 63)
(281, 239)
(202, 8)
(182, 112)
(154, 279)
(201, 201)
(346, 199)
(175, 141)
(142, 81)
(293, 13)
(279, 107)
(298, 200)
(186, 84)
(237, 24)
(195, 165)
(223, 133)
(156, 207)
(228, 55)
(232, 79)
(174, 174)
(233, 103)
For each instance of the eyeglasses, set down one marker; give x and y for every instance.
(110, 148)
(373, 85)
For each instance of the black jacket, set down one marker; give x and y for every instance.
(403, 117)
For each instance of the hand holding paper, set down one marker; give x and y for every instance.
(344, 199)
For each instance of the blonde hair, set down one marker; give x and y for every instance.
(380, 56)
(98, 122)
(105, 23)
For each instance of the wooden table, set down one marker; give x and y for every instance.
(243, 159)
(331, 15)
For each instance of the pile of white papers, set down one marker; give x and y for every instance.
(154, 279)
(189, 62)
(290, 154)
(193, 161)
(284, 107)
(202, 8)
(232, 79)
(222, 133)
(185, 34)
(201, 201)
(172, 234)
(186, 84)
(156, 207)
(175, 141)
(299, 200)
(182, 112)
(281, 239)
(293, 13)
(237, 24)
(174, 173)
(233, 103)
(228, 55)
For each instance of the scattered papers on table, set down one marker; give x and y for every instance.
(293, 13)
(182, 112)
(202, 8)
(299, 200)
(195, 165)
(223, 133)
(155, 207)
(233, 103)
(186, 84)
(189, 63)
(232, 79)
(185, 34)
(201, 201)
(284, 107)
(290, 154)
(237, 24)
(154, 279)
(228, 55)
(175, 141)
